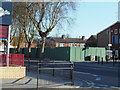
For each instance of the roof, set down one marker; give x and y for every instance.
(68, 40)
(116, 23)
(95, 36)
(92, 37)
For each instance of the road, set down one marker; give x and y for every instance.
(99, 75)
(92, 74)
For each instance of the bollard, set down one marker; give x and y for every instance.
(72, 74)
(113, 60)
(106, 61)
(28, 64)
(53, 70)
(98, 60)
(102, 60)
(37, 76)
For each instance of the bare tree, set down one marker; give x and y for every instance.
(21, 16)
(47, 15)
(42, 17)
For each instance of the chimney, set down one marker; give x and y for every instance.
(83, 37)
(63, 36)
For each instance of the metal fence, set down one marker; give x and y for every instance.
(55, 66)
(14, 59)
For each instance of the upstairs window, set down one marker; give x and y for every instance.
(116, 31)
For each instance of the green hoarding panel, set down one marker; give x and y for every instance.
(38, 51)
(62, 53)
(95, 51)
(26, 52)
(33, 52)
(12, 50)
(66, 53)
(76, 54)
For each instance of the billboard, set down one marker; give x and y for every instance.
(4, 32)
(5, 13)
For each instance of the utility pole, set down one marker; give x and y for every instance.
(8, 45)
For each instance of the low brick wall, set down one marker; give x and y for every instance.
(12, 72)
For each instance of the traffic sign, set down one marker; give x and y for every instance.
(5, 13)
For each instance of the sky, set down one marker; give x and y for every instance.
(89, 18)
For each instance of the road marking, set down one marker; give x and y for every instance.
(97, 77)
(89, 83)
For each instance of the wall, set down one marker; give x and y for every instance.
(103, 39)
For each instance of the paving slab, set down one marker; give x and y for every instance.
(30, 81)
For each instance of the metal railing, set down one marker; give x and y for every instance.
(54, 66)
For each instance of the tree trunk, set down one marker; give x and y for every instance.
(18, 48)
(29, 50)
(42, 48)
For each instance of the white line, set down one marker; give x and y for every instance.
(86, 73)
(97, 77)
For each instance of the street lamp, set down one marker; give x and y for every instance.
(109, 44)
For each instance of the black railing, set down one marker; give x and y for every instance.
(56, 66)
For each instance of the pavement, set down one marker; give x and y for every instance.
(81, 79)
(30, 81)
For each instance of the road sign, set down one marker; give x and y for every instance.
(5, 13)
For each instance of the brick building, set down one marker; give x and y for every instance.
(68, 42)
(92, 41)
(110, 37)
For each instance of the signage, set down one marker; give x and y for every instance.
(5, 13)
(4, 32)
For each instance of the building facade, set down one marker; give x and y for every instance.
(68, 42)
(92, 41)
(110, 37)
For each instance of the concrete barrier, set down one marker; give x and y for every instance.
(12, 72)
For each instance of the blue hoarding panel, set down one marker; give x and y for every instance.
(5, 13)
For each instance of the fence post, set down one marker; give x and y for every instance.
(113, 60)
(37, 75)
(72, 74)
(53, 69)
(28, 64)
(102, 60)
(23, 60)
(98, 60)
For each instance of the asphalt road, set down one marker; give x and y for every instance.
(89, 74)
(100, 75)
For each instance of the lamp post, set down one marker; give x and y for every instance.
(109, 44)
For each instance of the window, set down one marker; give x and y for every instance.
(116, 31)
(115, 39)
(119, 30)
